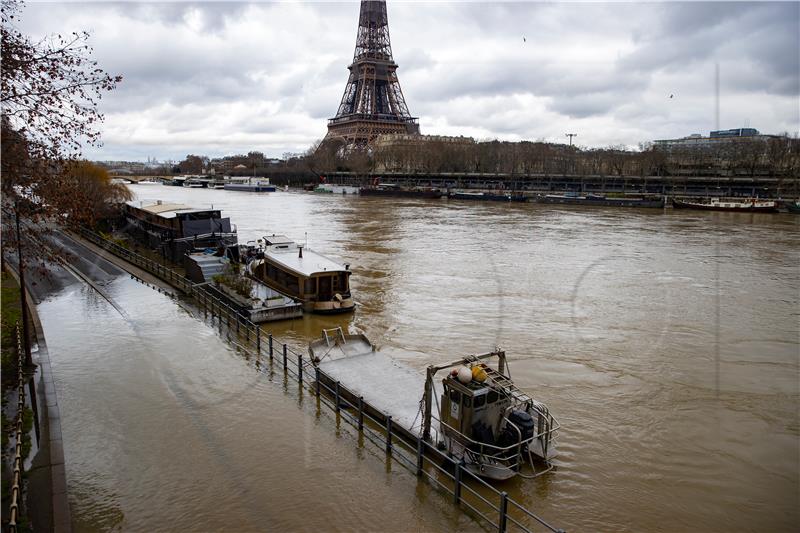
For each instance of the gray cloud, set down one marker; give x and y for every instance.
(218, 77)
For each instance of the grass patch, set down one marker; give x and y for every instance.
(10, 313)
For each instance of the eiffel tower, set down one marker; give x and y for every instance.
(373, 102)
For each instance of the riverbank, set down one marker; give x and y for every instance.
(45, 498)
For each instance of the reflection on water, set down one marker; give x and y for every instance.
(671, 423)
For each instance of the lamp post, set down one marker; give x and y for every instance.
(571, 135)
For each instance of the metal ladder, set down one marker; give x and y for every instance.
(508, 386)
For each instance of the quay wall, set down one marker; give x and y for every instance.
(761, 186)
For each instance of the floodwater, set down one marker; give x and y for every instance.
(666, 343)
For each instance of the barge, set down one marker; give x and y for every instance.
(601, 200)
(749, 205)
(480, 418)
(388, 189)
(487, 196)
(321, 284)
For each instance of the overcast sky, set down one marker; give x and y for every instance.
(225, 78)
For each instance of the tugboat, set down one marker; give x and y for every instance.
(482, 418)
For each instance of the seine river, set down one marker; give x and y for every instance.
(666, 343)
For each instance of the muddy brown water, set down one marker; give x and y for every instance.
(666, 343)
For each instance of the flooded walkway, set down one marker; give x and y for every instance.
(167, 428)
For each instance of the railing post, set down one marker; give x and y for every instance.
(337, 397)
(258, 339)
(285, 369)
(270, 347)
(360, 410)
(420, 452)
(316, 375)
(457, 486)
(300, 368)
(389, 434)
(501, 527)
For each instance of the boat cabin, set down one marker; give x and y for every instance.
(175, 221)
(474, 410)
(319, 282)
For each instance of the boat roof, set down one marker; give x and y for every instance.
(287, 254)
(164, 209)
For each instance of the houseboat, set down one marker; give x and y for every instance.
(177, 228)
(249, 184)
(321, 284)
(475, 413)
(750, 205)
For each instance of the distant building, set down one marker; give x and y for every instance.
(406, 139)
(719, 138)
(738, 132)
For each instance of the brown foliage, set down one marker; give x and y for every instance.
(49, 102)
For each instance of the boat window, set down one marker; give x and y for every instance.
(480, 401)
(311, 286)
(455, 396)
(467, 401)
(491, 396)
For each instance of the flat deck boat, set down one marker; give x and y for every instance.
(481, 417)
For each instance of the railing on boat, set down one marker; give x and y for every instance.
(484, 502)
(497, 453)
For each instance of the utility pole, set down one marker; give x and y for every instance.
(571, 135)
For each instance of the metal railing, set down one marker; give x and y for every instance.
(154, 267)
(16, 481)
(485, 502)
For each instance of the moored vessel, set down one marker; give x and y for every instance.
(601, 200)
(486, 196)
(321, 284)
(336, 189)
(249, 184)
(756, 205)
(476, 414)
(387, 189)
(177, 228)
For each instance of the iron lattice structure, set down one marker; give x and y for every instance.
(373, 103)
